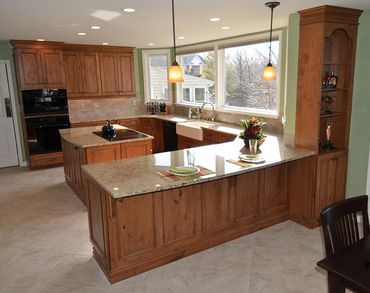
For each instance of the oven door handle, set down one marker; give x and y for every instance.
(53, 125)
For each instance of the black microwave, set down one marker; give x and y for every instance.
(45, 102)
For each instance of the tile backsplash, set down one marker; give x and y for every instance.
(104, 108)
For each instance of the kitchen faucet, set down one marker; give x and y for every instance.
(212, 116)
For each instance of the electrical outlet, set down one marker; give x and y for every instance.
(96, 105)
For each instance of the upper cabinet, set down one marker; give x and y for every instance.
(39, 66)
(82, 73)
(85, 70)
(117, 71)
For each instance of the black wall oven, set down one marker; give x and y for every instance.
(45, 112)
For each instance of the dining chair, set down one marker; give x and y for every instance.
(340, 225)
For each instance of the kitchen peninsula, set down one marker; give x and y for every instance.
(85, 145)
(140, 219)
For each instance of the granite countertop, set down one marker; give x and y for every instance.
(84, 136)
(136, 176)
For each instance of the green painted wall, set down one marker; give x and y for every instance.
(360, 133)
(292, 72)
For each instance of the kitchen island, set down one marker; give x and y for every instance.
(84, 146)
(140, 218)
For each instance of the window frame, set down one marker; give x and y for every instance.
(192, 102)
(218, 47)
(146, 74)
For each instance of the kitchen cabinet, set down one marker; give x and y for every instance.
(330, 179)
(178, 222)
(75, 156)
(133, 123)
(328, 37)
(82, 73)
(39, 68)
(211, 136)
(187, 142)
(158, 145)
(103, 153)
(136, 149)
(117, 74)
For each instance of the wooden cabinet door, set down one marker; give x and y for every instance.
(274, 189)
(215, 197)
(158, 137)
(72, 66)
(136, 149)
(109, 77)
(187, 143)
(53, 68)
(30, 69)
(103, 153)
(330, 179)
(148, 126)
(133, 123)
(126, 76)
(90, 69)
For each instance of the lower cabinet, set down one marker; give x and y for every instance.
(104, 153)
(330, 179)
(75, 156)
(186, 142)
(134, 234)
(45, 160)
(133, 123)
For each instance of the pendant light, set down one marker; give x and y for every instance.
(174, 72)
(269, 71)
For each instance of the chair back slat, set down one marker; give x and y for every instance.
(340, 225)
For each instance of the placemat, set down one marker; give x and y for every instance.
(171, 177)
(240, 163)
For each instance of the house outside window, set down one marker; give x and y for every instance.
(198, 85)
(155, 69)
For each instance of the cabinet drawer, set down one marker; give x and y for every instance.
(217, 136)
(51, 159)
(133, 123)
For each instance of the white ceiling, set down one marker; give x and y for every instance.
(57, 20)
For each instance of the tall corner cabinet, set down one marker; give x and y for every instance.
(327, 43)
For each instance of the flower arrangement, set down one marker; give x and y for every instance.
(252, 129)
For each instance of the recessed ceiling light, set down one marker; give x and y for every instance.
(105, 43)
(214, 19)
(181, 38)
(151, 44)
(40, 40)
(225, 27)
(95, 27)
(128, 10)
(81, 34)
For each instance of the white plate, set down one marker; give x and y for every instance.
(184, 170)
(255, 159)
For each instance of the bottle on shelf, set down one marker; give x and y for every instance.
(330, 81)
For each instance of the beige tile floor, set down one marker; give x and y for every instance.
(44, 247)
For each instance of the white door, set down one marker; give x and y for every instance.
(8, 147)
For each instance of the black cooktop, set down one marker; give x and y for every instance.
(121, 134)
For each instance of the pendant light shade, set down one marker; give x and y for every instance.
(175, 74)
(269, 72)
